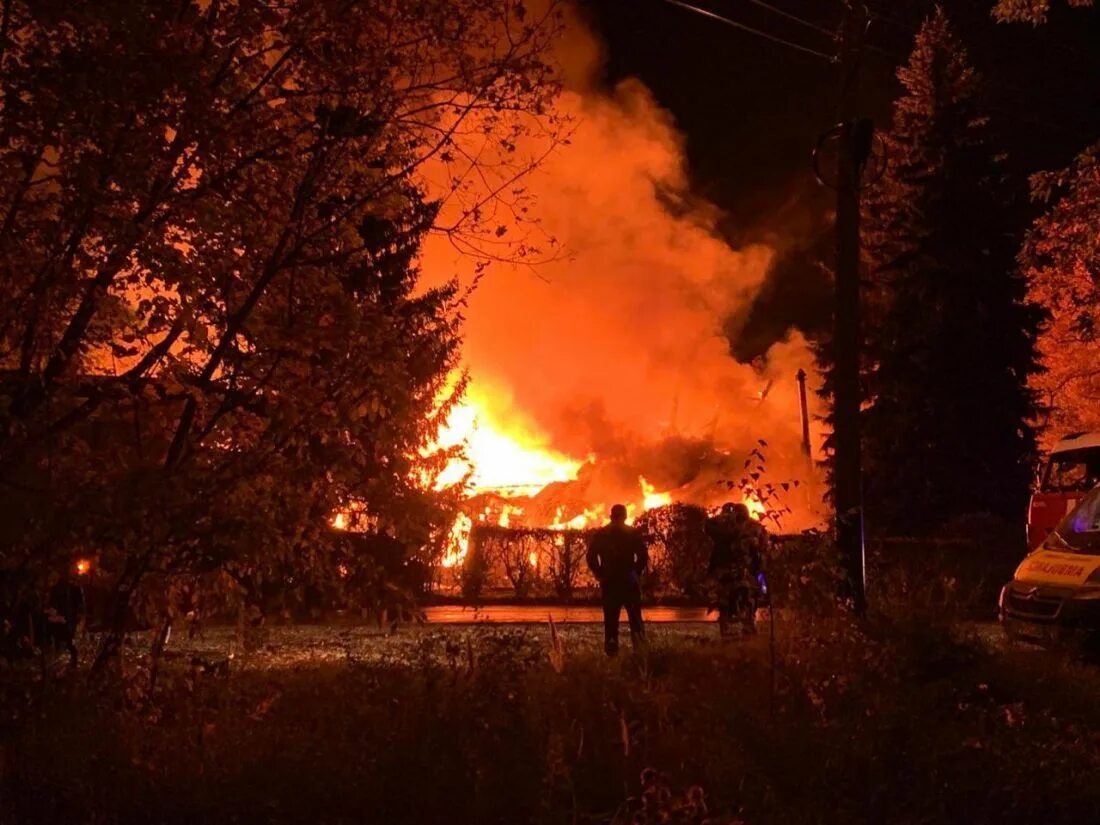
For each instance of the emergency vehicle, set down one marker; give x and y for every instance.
(1071, 470)
(1057, 587)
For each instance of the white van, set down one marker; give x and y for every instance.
(1057, 587)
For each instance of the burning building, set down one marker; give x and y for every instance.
(600, 368)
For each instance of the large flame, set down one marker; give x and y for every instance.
(651, 498)
(509, 459)
(458, 542)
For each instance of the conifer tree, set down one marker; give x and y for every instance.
(951, 339)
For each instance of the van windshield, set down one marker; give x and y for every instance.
(1073, 471)
(1079, 532)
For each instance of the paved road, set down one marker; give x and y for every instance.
(539, 614)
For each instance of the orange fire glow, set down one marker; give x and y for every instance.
(605, 376)
(651, 497)
(458, 541)
(757, 509)
(83, 567)
(508, 459)
(511, 459)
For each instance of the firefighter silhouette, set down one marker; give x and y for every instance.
(738, 544)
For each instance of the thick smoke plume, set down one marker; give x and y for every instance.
(613, 351)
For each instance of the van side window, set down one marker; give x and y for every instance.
(1076, 471)
(1083, 523)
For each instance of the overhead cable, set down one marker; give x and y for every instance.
(794, 18)
(749, 29)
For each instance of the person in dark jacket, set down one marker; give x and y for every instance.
(65, 609)
(738, 543)
(617, 556)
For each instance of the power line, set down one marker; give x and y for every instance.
(794, 18)
(879, 17)
(750, 29)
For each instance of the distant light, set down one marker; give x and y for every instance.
(83, 567)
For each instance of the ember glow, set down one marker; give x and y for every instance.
(757, 509)
(352, 517)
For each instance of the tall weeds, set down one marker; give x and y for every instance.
(884, 722)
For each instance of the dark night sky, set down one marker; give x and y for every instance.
(751, 109)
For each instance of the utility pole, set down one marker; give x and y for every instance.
(853, 147)
(804, 411)
(853, 137)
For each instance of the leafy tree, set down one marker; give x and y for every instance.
(1061, 257)
(212, 335)
(1028, 11)
(947, 422)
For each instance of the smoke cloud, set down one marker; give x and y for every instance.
(615, 351)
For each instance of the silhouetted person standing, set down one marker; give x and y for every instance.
(65, 608)
(617, 556)
(738, 544)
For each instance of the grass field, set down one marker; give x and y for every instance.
(878, 723)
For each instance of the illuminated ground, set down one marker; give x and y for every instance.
(296, 646)
(306, 645)
(532, 614)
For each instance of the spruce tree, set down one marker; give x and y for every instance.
(951, 339)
